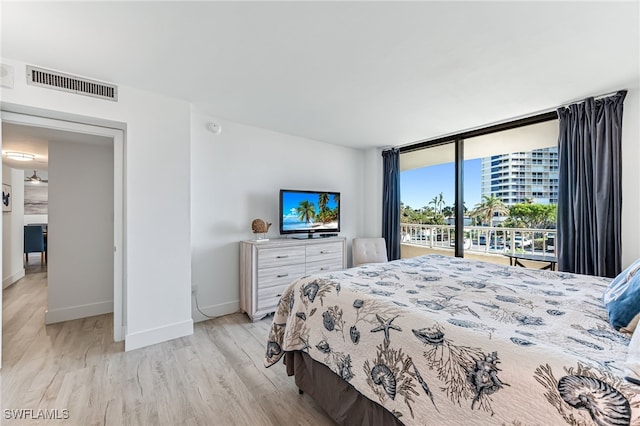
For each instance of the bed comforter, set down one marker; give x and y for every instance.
(443, 340)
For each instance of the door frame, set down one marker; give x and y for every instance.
(116, 131)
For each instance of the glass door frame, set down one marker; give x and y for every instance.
(458, 140)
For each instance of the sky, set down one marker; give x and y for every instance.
(419, 186)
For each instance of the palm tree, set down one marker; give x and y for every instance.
(324, 215)
(306, 211)
(323, 199)
(485, 210)
(434, 201)
(476, 215)
(440, 201)
(489, 206)
(448, 212)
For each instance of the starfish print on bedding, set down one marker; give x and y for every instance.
(385, 325)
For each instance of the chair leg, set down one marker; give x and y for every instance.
(42, 258)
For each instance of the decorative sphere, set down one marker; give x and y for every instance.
(259, 226)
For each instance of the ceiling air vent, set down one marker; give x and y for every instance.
(70, 83)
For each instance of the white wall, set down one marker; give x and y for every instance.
(12, 228)
(372, 193)
(36, 218)
(631, 178)
(236, 177)
(80, 232)
(157, 198)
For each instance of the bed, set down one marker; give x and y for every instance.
(443, 340)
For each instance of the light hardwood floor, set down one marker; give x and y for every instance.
(214, 377)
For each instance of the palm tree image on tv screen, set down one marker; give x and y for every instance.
(310, 211)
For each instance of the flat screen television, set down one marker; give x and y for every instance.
(309, 212)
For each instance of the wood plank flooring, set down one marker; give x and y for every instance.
(214, 377)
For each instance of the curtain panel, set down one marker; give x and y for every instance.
(391, 202)
(590, 186)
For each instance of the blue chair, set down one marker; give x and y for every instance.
(34, 242)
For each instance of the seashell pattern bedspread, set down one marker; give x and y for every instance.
(442, 340)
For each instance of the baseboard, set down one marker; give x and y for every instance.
(77, 312)
(12, 279)
(158, 335)
(214, 310)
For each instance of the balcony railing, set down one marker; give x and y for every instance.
(482, 238)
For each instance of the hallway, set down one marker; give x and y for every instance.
(41, 364)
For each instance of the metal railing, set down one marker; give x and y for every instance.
(482, 238)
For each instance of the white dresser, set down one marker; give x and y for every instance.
(267, 268)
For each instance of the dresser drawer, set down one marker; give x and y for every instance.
(271, 257)
(268, 298)
(325, 265)
(280, 275)
(321, 252)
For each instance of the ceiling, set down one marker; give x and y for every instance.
(359, 74)
(35, 140)
(32, 140)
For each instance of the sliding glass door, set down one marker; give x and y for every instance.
(427, 195)
(506, 182)
(512, 206)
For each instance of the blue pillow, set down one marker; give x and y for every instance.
(622, 297)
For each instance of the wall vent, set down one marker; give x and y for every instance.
(70, 83)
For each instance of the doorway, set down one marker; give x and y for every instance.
(84, 132)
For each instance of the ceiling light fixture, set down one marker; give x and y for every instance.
(20, 156)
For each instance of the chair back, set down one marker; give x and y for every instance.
(44, 225)
(33, 239)
(368, 250)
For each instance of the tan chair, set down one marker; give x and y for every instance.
(368, 250)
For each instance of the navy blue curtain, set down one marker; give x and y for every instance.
(391, 202)
(590, 187)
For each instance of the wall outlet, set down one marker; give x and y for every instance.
(194, 290)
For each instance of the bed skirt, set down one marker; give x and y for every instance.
(337, 398)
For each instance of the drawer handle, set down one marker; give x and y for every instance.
(324, 252)
(278, 295)
(282, 256)
(282, 275)
(323, 269)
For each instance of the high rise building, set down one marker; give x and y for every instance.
(520, 177)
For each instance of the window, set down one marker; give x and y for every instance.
(491, 170)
